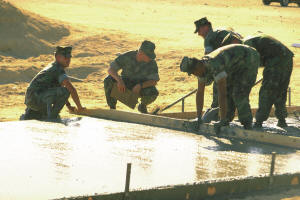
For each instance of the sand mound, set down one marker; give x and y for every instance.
(24, 34)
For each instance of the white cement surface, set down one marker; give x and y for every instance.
(42, 160)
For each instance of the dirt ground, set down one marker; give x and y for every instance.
(98, 30)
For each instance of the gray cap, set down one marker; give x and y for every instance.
(148, 48)
(66, 51)
(188, 65)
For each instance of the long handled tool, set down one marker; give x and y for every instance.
(159, 109)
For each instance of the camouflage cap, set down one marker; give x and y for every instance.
(148, 48)
(201, 22)
(66, 51)
(188, 65)
(229, 38)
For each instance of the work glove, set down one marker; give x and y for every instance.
(219, 124)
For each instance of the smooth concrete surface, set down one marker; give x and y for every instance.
(43, 160)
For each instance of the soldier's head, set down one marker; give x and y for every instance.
(192, 66)
(231, 38)
(203, 26)
(146, 52)
(63, 55)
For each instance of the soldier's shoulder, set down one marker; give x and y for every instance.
(129, 54)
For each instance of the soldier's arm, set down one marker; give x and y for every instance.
(67, 84)
(222, 96)
(200, 97)
(113, 71)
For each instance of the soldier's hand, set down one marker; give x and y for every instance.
(71, 108)
(81, 109)
(195, 123)
(121, 86)
(219, 124)
(137, 88)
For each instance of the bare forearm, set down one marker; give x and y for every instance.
(199, 102)
(148, 83)
(114, 74)
(75, 98)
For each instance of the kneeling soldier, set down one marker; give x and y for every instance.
(139, 74)
(50, 89)
(234, 69)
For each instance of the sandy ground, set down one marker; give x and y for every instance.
(99, 30)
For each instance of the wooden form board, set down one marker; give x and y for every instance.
(186, 125)
(192, 115)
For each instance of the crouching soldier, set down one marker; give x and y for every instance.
(50, 89)
(139, 74)
(234, 69)
(278, 62)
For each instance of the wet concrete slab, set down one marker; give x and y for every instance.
(84, 156)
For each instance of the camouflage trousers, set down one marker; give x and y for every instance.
(274, 87)
(148, 95)
(215, 102)
(40, 101)
(238, 90)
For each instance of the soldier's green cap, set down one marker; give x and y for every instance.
(188, 65)
(201, 22)
(148, 48)
(229, 38)
(66, 51)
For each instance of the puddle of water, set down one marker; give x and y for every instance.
(41, 160)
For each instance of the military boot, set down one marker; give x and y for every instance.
(142, 108)
(31, 114)
(281, 123)
(257, 125)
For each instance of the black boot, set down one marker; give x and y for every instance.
(281, 123)
(257, 125)
(142, 108)
(31, 114)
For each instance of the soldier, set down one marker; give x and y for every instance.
(278, 62)
(139, 74)
(50, 89)
(212, 41)
(234, 69)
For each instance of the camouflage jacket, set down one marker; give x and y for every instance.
(50, 77)
(213, 39)
(271, 50)
(231, 61)
(134, 70)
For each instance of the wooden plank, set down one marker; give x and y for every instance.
(186, 125)
(252, 135)
(192, 115)
(137, 118)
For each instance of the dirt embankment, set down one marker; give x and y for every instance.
(24, 34)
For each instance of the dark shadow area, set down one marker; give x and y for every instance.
(243, 146)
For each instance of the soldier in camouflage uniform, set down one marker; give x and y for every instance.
(278, 62)
(234, 69)
(139, 74)
(50, 89)
(212, 41)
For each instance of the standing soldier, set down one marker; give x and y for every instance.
(212, 41)
(278, 62)
(139, 74)
(50, 89)
(234, 69)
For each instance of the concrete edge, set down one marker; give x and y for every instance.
(204, 189)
